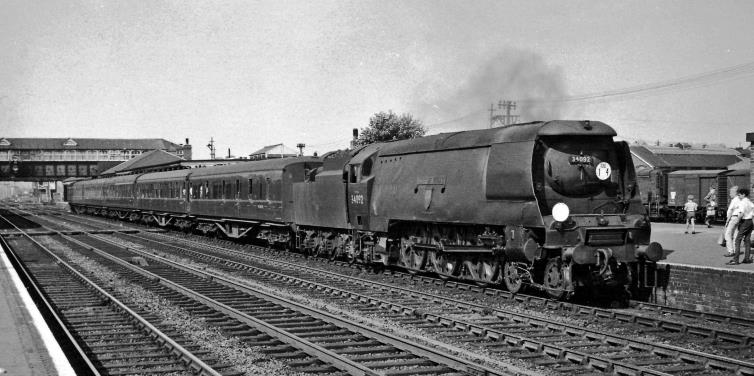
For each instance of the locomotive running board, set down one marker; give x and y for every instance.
(452, 249)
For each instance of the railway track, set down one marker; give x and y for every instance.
(673, 360)
(101, 334)
(335, 343)
(672, 319)
(566, 344)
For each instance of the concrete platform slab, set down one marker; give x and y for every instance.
(700, 249)
(27, 347)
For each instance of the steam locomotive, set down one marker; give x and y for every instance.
(552, 205)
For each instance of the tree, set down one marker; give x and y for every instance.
(387, 126)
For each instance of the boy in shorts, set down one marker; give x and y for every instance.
(690, 209)
(710, 213)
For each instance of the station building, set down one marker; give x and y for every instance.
(46, 162)
(273, 151)
(35, 159)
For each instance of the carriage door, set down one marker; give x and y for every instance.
(359, 190)
(186, 195)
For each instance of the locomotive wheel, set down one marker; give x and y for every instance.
(413, 258)
(487, 272)
(511, 277)
(316, 251)
(334, 254)
(443, 264)
(554, 281)
(352, 256)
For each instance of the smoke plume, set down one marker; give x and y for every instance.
(463, 103)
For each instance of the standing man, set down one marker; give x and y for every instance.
(690, 209)
(746, 208)
(731, 222)
(711, 195)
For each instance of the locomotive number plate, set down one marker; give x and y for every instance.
(580, 160)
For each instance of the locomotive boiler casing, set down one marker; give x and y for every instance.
(481, 177)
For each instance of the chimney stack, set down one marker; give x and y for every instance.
(355, 137)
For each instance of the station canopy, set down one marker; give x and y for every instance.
(148, 161)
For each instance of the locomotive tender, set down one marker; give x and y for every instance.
(546, 204)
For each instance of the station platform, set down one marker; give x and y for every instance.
(700, 249)
(27, 346)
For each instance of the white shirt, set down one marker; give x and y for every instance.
(733, 207)
(690, 206)
(747, 208)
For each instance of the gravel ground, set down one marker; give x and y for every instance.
(372, 320)
(623, 330)
(229, 349)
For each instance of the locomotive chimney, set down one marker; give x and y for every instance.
(355, 137)
(187, 141)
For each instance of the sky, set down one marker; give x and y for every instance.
(256, 73)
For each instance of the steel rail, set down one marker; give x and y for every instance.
(71, 346)
(184, 356)
(401, 343)
(712, 361)
(668, 325)
(595, 311)
(291, 339)
(597, 362)
(741, 338)
(711, 316)
(287, 337)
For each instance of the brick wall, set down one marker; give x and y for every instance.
(705, 289)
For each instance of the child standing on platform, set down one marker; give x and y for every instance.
(690, 209)
(711, 206)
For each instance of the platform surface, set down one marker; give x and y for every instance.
(699, 249)
(27, 346)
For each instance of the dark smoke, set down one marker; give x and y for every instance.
(463, 103)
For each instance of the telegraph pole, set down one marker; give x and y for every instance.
(503, 119)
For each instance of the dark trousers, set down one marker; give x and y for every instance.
(744, 233)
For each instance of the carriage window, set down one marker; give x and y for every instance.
(251, 184)
(238, 188)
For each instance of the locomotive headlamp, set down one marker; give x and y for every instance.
(560, 212)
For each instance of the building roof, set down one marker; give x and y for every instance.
(148, 159)
(276, 150)
(696, 172)
(86, 143)
(670, 157)
(744, 164)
